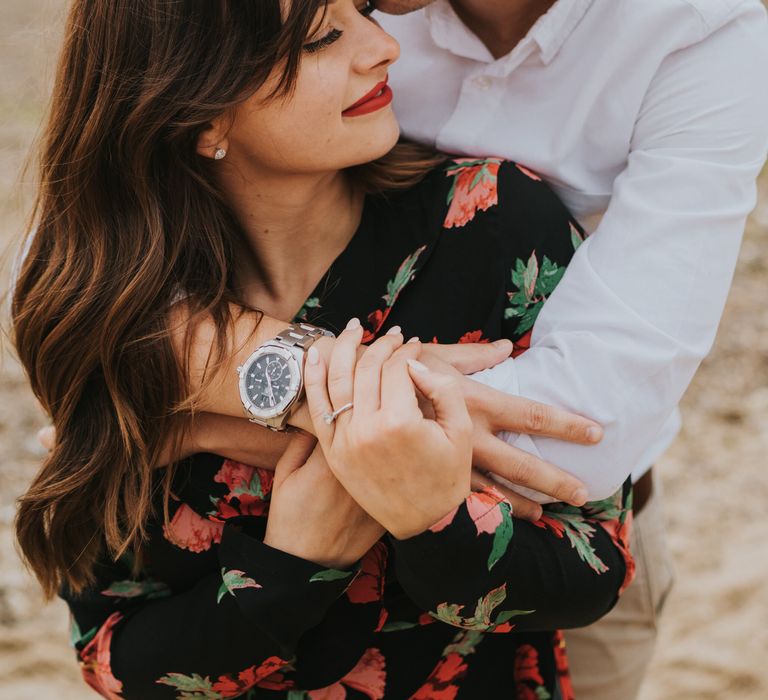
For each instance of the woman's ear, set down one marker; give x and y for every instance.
(212, 141)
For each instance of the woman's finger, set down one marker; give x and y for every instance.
(447, 399)
(522, 507)
(368, 377)
(341, 367)
(397, 389)
(295, 455)
(318, 401)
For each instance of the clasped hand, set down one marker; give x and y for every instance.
(404, 471)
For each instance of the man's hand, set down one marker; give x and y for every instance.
(493, 411)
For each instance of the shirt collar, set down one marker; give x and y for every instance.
(548, 34)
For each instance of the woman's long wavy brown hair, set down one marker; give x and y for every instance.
(126, 215)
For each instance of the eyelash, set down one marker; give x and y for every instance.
(335, 34)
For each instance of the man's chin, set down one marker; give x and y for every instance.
(401, 7)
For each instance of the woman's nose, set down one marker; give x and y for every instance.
(377, 48)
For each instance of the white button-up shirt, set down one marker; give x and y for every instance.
(650, 120)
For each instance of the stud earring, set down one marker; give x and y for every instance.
(220, 153)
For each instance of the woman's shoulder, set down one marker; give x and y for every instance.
(482, 191)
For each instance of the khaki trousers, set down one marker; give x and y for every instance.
(608, 660)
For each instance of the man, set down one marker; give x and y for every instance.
(650, 120)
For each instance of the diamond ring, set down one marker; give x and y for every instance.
(330, 417)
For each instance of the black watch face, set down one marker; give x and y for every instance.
(268, 381)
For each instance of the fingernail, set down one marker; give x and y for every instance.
(504, 343)
(394, 330)
(580, 497)
(416, 366)
(594, 434)
(353, 323)
(415, 339)
(313, 355)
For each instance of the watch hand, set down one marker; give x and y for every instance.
(269, 388)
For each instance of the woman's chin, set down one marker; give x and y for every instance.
(377, 143)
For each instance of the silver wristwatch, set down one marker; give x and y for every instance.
(272, 378)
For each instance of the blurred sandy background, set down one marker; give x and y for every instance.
(714, 639)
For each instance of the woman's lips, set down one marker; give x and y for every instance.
(375, 100)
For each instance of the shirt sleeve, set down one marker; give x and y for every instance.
(481, 569)
(229, 631)
(621, 337)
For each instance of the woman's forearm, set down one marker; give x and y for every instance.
(214, 386)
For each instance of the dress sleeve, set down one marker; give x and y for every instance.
(230, 630)
(481, 569)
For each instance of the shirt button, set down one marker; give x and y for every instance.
(482, 81)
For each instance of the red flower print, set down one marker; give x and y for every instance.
(474, 337)
(376, 320)
(95, 661)
(483, 507)
(191, 531)
(474, 189)
(227, 685)
(528, 173)
(249, 486)
(444, 522)
(368, 585)
(441, 684)
(527, 665)
(368, 677)
(563, 669)
(619, 531)
(522, 344)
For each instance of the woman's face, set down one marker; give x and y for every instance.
(340, 112)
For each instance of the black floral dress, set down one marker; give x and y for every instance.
(468, 609)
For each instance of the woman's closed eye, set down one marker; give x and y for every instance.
(334, 34)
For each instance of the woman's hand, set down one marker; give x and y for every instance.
(311, 515)
(405, 470)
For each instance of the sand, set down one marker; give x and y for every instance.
(714, 633)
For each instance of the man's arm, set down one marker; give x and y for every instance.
(623, 334)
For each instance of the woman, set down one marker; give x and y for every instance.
(205, 160)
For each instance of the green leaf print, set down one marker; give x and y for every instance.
(76, 637)
(579, 532)
(533, 284)
(303, 313)
(398, 626)
(450, 613)
(464, 643)
(253, 488)
(232, 580)
(191, 687)
(542, 693)
(136, 589)
(330, 575)
(403, 275)
(503, 535)
(576, 237)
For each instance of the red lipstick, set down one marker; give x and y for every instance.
(376, 99)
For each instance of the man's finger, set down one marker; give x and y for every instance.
(471, 357)
(517, 414)
(295, 455)
(522, 507)
(521, 468)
